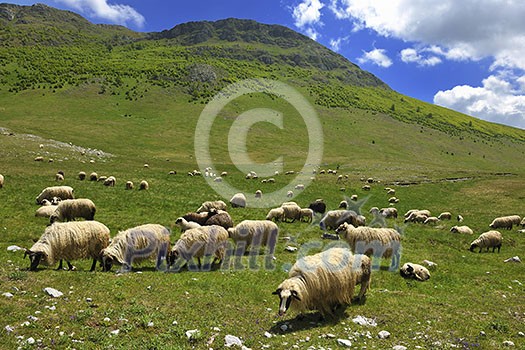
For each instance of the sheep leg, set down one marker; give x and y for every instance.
(59, 265)
(71, 267)
(93, 265)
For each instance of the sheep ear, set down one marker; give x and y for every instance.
(277, 291)
(295, 295)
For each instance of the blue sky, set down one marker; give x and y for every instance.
(466, 55)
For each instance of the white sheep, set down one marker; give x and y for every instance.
(415, 271)
(184, 225)
(462, 230)
(324, 281)
(129, 185)
(307, 215)
(417, 216)
(238, 200)
(445, 216)
(431, 220)
(388, 213)
(258, 194)
(380, 242)
(143, 185)
(45, 211)
(334, 218)
(353, 197)
(291, 211)
(275, 214)
(69, 241)
(255, 233)
(93, 176)
(62, 192)
(289, 194)
(110, 181)
(59, 177)
(393, 200)
(299, 187)
(204, 241)
(81, 175)
(490, 239)
(208, 205)
(460, 218)
(69, 209)
(343, 204)
(137, 244)
(505, 222)
(1, 180)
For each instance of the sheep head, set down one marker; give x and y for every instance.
(473, 246)
(34, 258)
(286, 296)
(106, 260)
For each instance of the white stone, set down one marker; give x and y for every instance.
(363, 321)
(344, 342)
(515, 259)
(267, 334)
(399, 347)
(289, 248)
(9, 329)
(284, 328)
(107, 319)
(53, 292)
(383, 335)
(508, 343)
(150, 324)
(191, 333)
(521, 334)
(30, 340)
(115, 332)
(8, 295)
(14, 248)
(231, 340)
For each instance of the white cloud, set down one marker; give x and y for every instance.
(497, 100)
(115, 13)
(377, 57)
(312, 33)
(413, 56)
(307, 13)
(335, 44)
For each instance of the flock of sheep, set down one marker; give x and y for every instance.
(316, 282)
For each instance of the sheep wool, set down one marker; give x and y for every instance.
(70, 209)
(307, 215)
(414, 271)
(445, 216)
(93, 176)
(69, 241)
(45, 211)
(1, 181)
(238, 200)
(379, 242)
(275, 214)
(255, 233)
(109, 181)
(204, 241)
(323, 281)
(199, 218)
(137, 244)
(221, 218)
(462, 229)
(208, 205)
(81, 176)
(62, 192)
(129, 185)
(334, 218)
(144, 185)
(291, 211)
(318, 206)
(490, 239)
(505, 222)
(184, 225)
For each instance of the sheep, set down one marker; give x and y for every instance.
(343, 205)
(93, 176)
(238, 200)
(334, 218)
(69, 209)
(69, 241)
(200, 242)
(1, 181)
(62, 192)
(505, 222)
(54, 201)
(39, 159)
(220, 218)
(199, 218)
(143, 185)
(291, 211)
(389, 213)
(45, 211)
(186, 225)
(445, 216)
(417, 216)
(137, 244)
(414, 271)
(431, 220)
(366, 188)
(110, 181)
(299, 187)
(224, 174)
(462, 230)
(460, 218)
(102, 178)
(318, 206)
(324, 281)
(522, 223)
(255, 233)
(81, 175)
(307, 215)
(391, 191)
(275, 214)
(206, 206)
(59, 177)
(129, 185)
(380, 242)
(417, 211)
(289, 194)
(258, 194)
(393, 200)
(490, 239)
(353, 197)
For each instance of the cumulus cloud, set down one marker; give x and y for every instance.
(411, 55)
(497, 100)
(377, 57)
(307, 13)
(115, 13)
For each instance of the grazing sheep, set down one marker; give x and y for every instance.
(391, 191)
(366, 188)
(199, 218)
(388, 213)
(39, 159)
(289, 194)
(69, 209)
(238, 200)
(505, 222)
(224, 174)
(353, 197)
(81, 175)
(275, 214)
(343, 205)
(460, 218)
(334, 218)
(414, 271)
(324, 281)
(137, 244)
(490, 239)
(299, 187)
(110, 181)
(379, 242)
(255, 233)
(393, 200)
(62, 192)
(59, 177)
(69, 241)
(445, 216)
(208, 205)
(431, 220)
(1, 180)
(144, 185)
(45, 211)
(221, 218)
(417, 216)
(172, 172)
(291, 211)
(318, 206)
(462, 229)
(93, 176)
(200, 242)
(186, 225)
(129, 185)
(522, 223)
(258, 194)
(307, 215)
(102, 178)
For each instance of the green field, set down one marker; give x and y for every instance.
(112, 110)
